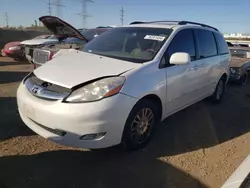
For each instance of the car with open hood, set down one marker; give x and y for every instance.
(240, 65)
(123, 83)
(30, 45)
(73, 39)
(45, 53)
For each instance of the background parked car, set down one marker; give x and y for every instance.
(239, 65)
(13, 50)
(75, 39)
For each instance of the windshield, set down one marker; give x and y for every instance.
(135, 44)
(92, 33)
(239, 53)
(230, 44)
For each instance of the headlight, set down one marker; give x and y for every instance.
(235, 70)
(15, 48)
(97, 90)
(232, 70)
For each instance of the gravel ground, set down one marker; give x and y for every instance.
(198, 147)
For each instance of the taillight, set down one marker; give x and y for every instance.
(51, 55)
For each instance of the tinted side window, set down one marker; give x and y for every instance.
(183, 42)
(222, 44)
(206, 42)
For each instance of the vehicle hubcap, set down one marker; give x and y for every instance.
(142, 125)
(220, 89)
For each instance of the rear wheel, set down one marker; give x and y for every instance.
(219, 91)
(140, 125)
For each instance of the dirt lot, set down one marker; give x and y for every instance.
(198, 147)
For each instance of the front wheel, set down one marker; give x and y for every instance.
(219, 91)
(140, 125)
(243, 79)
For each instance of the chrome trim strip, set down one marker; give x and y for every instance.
(42, 92)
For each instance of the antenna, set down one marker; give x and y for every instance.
(122, 15)
(6, 19)
(84, 14)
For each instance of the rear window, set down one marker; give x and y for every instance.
(222, 44)
(206, 42)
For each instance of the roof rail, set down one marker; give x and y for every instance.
(141, 22)
(137, 22)
(177, 22)
(195, 23)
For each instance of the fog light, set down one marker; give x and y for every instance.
(93, 136)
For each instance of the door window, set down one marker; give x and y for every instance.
(222, 44)
(206, 43)
(183, 42)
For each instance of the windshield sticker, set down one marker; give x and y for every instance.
(154, 37)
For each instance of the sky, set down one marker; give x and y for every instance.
(227, 15)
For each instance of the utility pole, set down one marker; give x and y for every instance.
(84, 14)
(122, 15)
(6, 19)
(58, 5)
(49, 7)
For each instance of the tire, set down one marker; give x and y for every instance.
(219, 91)
(243, 79)
(135, 134)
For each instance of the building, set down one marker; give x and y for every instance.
(236, 35)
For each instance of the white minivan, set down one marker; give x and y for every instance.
(124, 83)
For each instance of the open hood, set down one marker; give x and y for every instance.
(60, 28)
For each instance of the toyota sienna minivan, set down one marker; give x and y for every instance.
(123, 83)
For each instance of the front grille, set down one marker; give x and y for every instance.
(45, 90)
(52, 87)
(40, 56)
(55, 131)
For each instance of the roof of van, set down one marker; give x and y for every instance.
(171, 25)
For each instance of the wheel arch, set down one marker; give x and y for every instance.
(157, 101)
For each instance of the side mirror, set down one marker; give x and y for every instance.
(180, 58)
